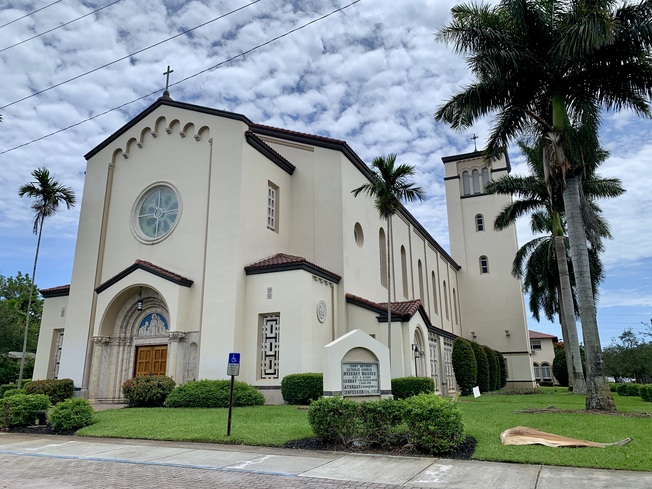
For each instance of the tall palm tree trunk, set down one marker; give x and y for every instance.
(29, 307)
(598, 395)
(389, 292)
(567, 318)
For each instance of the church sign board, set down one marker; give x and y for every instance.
(360, 379)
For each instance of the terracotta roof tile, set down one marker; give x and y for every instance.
(405, 309)
(148, 267)
(535, 335)
(58, 291)
(283, 262)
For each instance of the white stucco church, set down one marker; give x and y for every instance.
(203, 233)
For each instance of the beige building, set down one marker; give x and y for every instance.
(202, 233)
(542, 347)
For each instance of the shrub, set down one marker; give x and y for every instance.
(646, 393)
(148, 391)
(213, 394)
(621, 390)
(503, 370)
(334, 419)
(613, 386)
(56, 389)
(494, 368)
(633, 390)
(381, 423)
(483, 366)
(434, 423)
(72, 414)
(560, 369)
(13, 392)
(464, 365)
(404, 387)
(302, 389)
(5, 387)
(21, 409)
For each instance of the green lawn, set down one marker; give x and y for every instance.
(485, 418)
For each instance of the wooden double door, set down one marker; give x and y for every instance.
(151, 360)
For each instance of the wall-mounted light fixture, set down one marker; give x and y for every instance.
(415, 350)
(506, 332)
(474, 335)
(139, 302)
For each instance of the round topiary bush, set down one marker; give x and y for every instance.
(213, 394)
(148, 391)
(21, 409)
(404, 387)
(334, 419)
(483, 366)
(434, 423)
(464, 365)
(302, 389)
(71, 414)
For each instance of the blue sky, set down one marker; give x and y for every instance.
(372, 75)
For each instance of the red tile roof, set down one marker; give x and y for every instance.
(58, 291)
(148, 267)
(282, 262)
(535, 335)
(405, 309)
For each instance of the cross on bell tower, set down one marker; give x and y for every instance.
(166, 94)
(475, 138)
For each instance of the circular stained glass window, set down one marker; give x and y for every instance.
(156, 213)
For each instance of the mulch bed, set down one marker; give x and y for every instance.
(38, 430)
(464, 452)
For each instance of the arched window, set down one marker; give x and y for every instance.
(382, 246)
(434, 292)
(475, 175)
(446, 299)
(479, 222)
(404, 272)
(421, 296)
(545, 371)
(455, 306)
(485, 177)
(537, 372)
(466, 183)
(484, 264)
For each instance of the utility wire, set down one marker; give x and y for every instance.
(127, 56)
(27, 15)
(59, 26)
(181, 81)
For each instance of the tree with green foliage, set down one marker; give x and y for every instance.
(464, 365)
(547, 67)
(544, 263)
(483, 366)
(559, 369)
(389, 184)
(47, 195)
(629, 357)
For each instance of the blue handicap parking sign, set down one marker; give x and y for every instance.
(234, 359)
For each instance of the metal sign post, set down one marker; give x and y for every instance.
(232, 369)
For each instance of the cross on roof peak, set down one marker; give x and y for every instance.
(167, 73)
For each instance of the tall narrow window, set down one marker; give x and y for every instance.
(479, 222)
(269, 351)
(484, 264)
(455, 306)
(545, 371)
(272, 206)
(382, 245)
(434, 360)
(421, 296)
(466, 183)
(537, 372)
(485, 177)
(404, 272)
(446, 300)
(433, 279)
(475, 175)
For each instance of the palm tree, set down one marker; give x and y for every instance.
(546, 66)
(543, 263)
(48, 194)
(389, 185)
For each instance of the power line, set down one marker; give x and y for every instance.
(183, 80)
(77, 77)
(58, 27)
(27, 15)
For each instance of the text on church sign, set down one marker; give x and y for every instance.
(360, 379)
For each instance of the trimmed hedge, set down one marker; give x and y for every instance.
(621, 389)
(646, 392)
(56, 389)
(404, 387)
(5, 387)
(503, 370)
(633, 390)
(13, 392)
(483, 366)
(494, 369)
(21, 409)
(148, 391)
(214, 394)
(302, 389)
(71, 414)
(427, 421)
(464, 365)
(434, 423)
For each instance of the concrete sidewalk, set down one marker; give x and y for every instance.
(338, 466)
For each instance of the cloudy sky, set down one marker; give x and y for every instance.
(371, 74)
